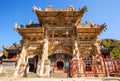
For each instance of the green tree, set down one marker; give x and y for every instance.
(5, 53)
(115, 53)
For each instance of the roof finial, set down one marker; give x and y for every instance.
(48, 8)
(71, 7)
(30, 22)
(36, 8)
(16, 25)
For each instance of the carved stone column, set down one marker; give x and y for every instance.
(21, 63)
(1, 68)
(75, 51)
(44, 60)
(99, 57)
(45, 49)
(82, 74)
(38, 66)
(76, 58)
(97, 47)
(47, 68)
(42, 67)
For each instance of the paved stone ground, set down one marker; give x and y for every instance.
(59, 79)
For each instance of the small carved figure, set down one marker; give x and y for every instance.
(48, 8)
(71, 7)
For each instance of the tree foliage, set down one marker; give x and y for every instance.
(5, 53)
(115, 53)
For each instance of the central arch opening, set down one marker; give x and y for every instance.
(60, 65)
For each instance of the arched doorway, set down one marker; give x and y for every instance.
(60, 65)
(32, 62)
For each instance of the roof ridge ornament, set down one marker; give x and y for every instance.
(50, 8)
(36, 8)
(90, 23)
(16, 26)
(30, 22)
(71, 7)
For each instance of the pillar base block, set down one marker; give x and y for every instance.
(46, 72)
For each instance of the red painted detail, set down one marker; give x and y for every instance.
(13, 56)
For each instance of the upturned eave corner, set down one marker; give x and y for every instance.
(35, 9)
(84, 9)
(104, 26)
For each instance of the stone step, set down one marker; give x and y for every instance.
(31, 74)
(58, 75)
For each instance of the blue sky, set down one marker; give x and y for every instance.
(99, 11)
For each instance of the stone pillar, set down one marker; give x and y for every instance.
(76, 58)
(103, 66)
(45, 49)
(97, 47)
(43, 60)
(1, 68)
(21, 63)
(47, 68)
(98, 55)
(76, 53)
(95, 66)
(82, 74)
(38, 67)
(41, 68)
